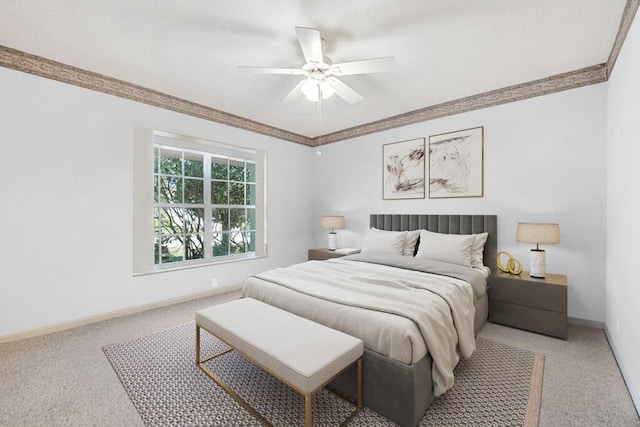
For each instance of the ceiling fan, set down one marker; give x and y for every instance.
(320, 73)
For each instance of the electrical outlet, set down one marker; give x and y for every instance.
(214, 283)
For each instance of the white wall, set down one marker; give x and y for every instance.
(67, 195)
(545, 160)
(67, 203)
(623, 211)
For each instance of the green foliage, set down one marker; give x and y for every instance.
(171, 163)
(236, 171)
(194, 191)
(236, 193)
(219, 193)
(219, 168)
(194, 166)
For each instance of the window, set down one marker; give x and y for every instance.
(208, 203)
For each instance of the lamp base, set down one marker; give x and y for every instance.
(333, 241)
(538, 263)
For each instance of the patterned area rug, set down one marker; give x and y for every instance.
(500, 385)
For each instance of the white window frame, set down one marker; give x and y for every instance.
(144, 204)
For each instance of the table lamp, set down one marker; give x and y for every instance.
(530, 232)
(333, 222)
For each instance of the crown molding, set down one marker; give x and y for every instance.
(557, 83)
(39, 66)
(625, 24)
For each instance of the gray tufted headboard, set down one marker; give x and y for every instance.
(447, 224)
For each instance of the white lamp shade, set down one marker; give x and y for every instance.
(534, 232)
(332, 221)
(311, 87)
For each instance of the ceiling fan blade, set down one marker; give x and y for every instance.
(344, 91)
(269, 70)
(311, 44)
(375, 65)
(295, 93)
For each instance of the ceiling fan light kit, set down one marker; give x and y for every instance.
(312, 88)
(320, 72)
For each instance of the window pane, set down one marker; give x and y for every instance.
(251, 172)
(236, 170)
(252, 241)
(172, 220)
(170, 162)
(172, 249)
(194, 191)
(156, 221)
(220, 219)
(238, 242)
(251, 219)
(156, 250)
(156, 153)
(236, 193)
(194, 220)
(155, 189)
(170, 190)
(220, 244)
(195, 246)
(237, 220)
(251, 194)
(193, 165)
(219, 169)
(219, 193)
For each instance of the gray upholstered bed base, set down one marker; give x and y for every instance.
(396, 390)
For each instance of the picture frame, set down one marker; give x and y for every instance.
(403, 170)
(456, 164)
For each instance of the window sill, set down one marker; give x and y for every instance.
(196, 264)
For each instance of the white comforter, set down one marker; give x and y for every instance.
(441, 306)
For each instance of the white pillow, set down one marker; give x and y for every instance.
(477, 250)
(410, 242)
(453, 248)
(387, 242)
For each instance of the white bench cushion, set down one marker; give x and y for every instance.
(303, 353)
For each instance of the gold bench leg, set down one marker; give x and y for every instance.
(360, 384)
(359, 401)
(197, 345)
(308, 410)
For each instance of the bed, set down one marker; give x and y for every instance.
(406, 363)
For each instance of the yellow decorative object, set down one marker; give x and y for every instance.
(513, 265)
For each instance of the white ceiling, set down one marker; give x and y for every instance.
(444, 49)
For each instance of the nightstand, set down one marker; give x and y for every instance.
(525, 302)
(322, 254)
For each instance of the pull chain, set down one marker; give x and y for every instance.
(318, 152)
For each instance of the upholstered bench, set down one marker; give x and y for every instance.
(301, 353)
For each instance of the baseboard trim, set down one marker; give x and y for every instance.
(585, 322)
(58, 327)
(627, 379)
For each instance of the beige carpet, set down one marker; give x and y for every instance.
(64, 379)
(500, 385)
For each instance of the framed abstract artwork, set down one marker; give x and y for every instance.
(403, 170)
(456, 164)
